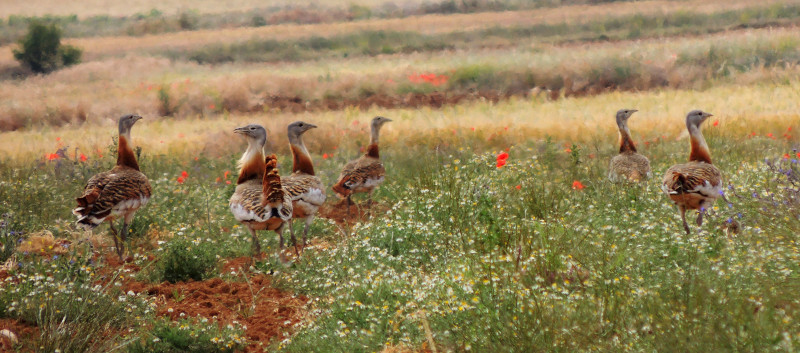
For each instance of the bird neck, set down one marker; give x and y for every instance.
(251, 165)
(301, 160)
(700, 152)
(625, 141)
(125, 156)
(372, 149)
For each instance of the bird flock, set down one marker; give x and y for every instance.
(264, 200)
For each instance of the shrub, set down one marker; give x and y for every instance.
(185, 260)
(41, 49)
(190, 335)
(258, 21)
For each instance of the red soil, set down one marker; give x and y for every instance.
(21, 330)
(267, 312)
(346, 215)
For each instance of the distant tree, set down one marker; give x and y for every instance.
(41, 49)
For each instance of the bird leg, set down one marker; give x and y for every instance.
(279, 230)
(369, 203)
(682, 209)
(114, 235)
(123, 237)
(256, 244)
(700, 218)
(294, 240)
(305, 230)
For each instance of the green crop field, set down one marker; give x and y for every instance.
(496, 229)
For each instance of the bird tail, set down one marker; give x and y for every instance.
(87, 219)
(341, 188)
(273, 191)
(681, 183)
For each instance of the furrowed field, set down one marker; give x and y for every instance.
(459, 251)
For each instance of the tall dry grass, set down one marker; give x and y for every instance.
(741, 110)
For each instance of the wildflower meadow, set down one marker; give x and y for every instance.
(496, 229)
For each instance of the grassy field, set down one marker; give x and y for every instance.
(460, 253)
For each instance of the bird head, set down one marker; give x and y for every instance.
(254, 133)
(696, 117)
(623, 115)
(378, 121)
(126, 123)
(297, 128)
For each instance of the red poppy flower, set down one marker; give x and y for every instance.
(58, 139)
(226, 174)
(502, 156)
(577, 185)
(324, 156)
(568, 150)
(716, 123)
(218, 180)
(52, 156)
(501, 163)
(181, 180)
(518, 186)
(184, 174)
(211, 106)
(785, 156)
(83, 157)
(227, 182)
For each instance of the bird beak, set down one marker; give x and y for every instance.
(311, 126)
(388, 120)
(634, 110)
(137, 118)
(239, 130)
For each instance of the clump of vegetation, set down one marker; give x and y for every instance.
(9, 238)
(186, 259)
(74, 308)
(41, 49)
(190, 335)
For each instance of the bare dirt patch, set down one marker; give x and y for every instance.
(15, 329)
(347, 215)
(267, 312)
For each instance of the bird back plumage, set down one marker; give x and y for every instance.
(113, 194)
(306, 191)
(691, 184)
(629, 166)
(360, 175)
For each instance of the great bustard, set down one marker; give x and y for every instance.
(697, 184)
(259, 201)
(304, 187)
(365, 173)
(628, 165)
(117, 193)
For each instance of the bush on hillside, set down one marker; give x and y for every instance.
(41, 49)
